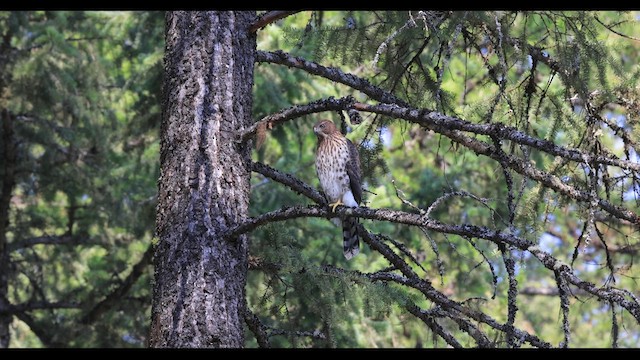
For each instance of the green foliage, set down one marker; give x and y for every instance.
(87, 89)
(456, 70)
(86, 86)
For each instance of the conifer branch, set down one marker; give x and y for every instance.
(435, 120)
(428, 318)
(512, 295)
(397, 107)
(614, 326)
(563, 293)
(331, 73)
(451, 127)
(441, 124)
(116, 295)
(473, 231)
(499, 238)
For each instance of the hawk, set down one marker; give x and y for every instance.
(338, 168)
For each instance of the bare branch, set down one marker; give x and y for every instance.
(330, 104)
(398, 108)
(316, 334)
(480, 147)
(548, 291)
(454, 309)
(512, 294)
(610, 28)
(609, 293)
(257, 327)
(614, 326)
(290, 181)
(446, 196)
(269, 17)
(563, 292)
(447, 126)
(434, 248)
(426, 316)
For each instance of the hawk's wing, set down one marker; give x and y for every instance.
(354, 172)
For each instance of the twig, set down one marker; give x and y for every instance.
(331, 73)
(610, 28)
(614, 326)
(563, 292)
(512, 295)
(428, 319)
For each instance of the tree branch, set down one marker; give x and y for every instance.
(428, 319)
(450, 126)
(454, 309)
(112, 299)
(269, 121)
(481, 232)
(331, 73)
(290, 181)
(432, 119)
(426, 316)
(65, 239)
(609, 293)
(257, 327)
(398, 108)
(269, 17)
(453, 127)
(42, 332)
(518, 165)
(40, 305)
(316, 334)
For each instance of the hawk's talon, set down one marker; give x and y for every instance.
(335, 204)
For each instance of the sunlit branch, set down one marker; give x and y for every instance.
(270, 17)
(271, 120)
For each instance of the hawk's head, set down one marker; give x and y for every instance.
(324, 128)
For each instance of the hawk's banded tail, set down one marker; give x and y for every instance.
(351, 241)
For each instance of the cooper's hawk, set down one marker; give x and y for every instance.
(338, 168)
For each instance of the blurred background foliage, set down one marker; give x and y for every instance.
(86, 88)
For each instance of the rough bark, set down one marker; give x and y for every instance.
(198, 294)
(8, 182)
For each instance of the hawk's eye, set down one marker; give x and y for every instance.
(322, 125)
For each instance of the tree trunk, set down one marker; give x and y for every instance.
(8, 182)
(198, 294)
